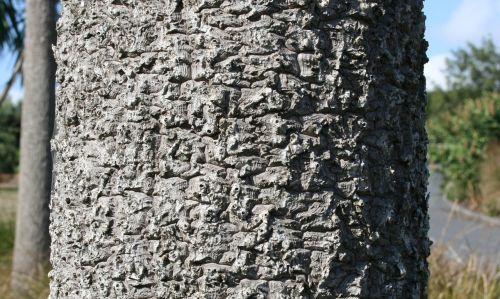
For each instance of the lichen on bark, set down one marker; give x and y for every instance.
(238, 149)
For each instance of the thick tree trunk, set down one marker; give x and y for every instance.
(31, 252)
(240, 149)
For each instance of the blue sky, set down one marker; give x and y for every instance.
(453, 23)
(450, 25)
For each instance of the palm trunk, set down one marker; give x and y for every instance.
(31, 252)
(238, 149)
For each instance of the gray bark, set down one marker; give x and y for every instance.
(31, 252)
(240, 149)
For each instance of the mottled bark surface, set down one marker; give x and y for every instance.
(239, 149)
(31, 252)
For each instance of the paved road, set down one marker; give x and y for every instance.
(461, 234)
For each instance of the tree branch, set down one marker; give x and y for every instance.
(10, 82)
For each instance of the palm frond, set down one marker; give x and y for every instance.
(11, 28)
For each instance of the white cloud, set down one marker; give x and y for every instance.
(472, 20)
(434, 71)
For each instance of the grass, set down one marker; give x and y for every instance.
(448, 280)
(7, 229)
(39, 289)
(8, 196)
(6, 245)
(471, 280)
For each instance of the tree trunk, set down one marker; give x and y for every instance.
(32, 244)
(240, 149)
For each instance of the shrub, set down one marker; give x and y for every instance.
(10, 127)
(473, 279)
(458, 141)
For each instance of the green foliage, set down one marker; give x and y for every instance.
(470, 73)
(10, 127)
(475, 70)
(464, 119)
(11, 34)
(458, 140)
(441, 100)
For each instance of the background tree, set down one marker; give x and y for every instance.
(240, 149)
(475, 70)
(471, 72)
(32, 240)
(464, 127)
(11, 33)
(10, 127)
(11, 38)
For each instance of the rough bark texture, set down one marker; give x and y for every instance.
(32, 242)
(240, 149)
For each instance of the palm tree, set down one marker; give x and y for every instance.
(240, 149)
(11, 38)
(11, 33)
(32, 242)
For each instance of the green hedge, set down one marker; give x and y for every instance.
(10, 127)
(458, 140)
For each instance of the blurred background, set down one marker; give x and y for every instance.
(463, 84)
